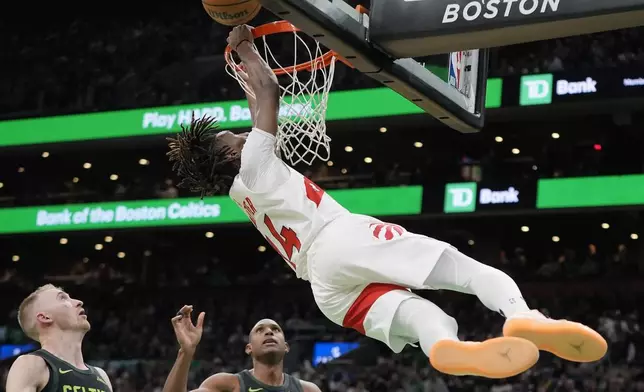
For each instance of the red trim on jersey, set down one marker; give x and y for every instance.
(358, 311)
(313, 191)
(250, 209)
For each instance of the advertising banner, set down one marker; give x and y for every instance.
(591, 191)
(577, 192)
(553, 88)
(188, 211)
(470, 197)
(324, 352)
(343, 105)
(510, 91)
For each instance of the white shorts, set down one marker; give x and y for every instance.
(361, 270)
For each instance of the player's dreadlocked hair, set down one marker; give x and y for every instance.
(203, 164)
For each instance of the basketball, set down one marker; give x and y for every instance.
(232, 12)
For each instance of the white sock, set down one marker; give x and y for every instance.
(420, 319)
(494, 288)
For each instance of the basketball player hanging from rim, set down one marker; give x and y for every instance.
(360, 269)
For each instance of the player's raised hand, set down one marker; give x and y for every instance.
(188, 334)
(240, 34)
(259, 77)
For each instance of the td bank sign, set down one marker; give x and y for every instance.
(464, 197)
(539, 89)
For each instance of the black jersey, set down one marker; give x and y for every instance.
(63, 377)
(248, 383)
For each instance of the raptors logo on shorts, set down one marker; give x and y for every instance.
(386, 231)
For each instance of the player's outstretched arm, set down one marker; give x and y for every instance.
(261, 78)
(188, 336)
(28, 373)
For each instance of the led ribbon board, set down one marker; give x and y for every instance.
(591, 191)
(188, 211)
(343, 105)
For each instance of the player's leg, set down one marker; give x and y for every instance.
(421, 320)
(354, 252)
(497, 291)
(397, 317)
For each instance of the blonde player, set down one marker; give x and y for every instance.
(58, 322)
(361, 270)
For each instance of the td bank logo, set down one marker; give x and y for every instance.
(536, 90)
(460, 197)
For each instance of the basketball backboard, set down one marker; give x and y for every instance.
(338, 26)
(410, 28)
(383, 43)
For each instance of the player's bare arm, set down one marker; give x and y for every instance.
(309, 386)
(252, 101)
(261, 78)
(28, 373)
(220, 382)
(188, 336)
(104, 376)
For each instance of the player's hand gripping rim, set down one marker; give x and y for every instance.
(255, 72)
(239, 35)
(188, 334)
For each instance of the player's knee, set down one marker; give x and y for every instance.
(478, 271)
(492, 274)
(450, 324)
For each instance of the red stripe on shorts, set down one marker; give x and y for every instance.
(358, 311)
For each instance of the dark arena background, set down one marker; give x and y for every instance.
(550, 191)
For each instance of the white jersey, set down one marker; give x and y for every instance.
(286, 207)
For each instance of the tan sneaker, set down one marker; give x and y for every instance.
(565, 339)
(494, 358)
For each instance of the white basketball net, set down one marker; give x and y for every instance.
(301, 135)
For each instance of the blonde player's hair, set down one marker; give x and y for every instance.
(26, 321)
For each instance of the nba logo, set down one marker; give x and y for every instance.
(455, 69)
(459, 71)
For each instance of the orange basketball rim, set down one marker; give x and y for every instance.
(281, 27)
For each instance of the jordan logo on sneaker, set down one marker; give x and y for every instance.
(506, 355)
(577, 346)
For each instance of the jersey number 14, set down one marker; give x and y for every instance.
(287, 237)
